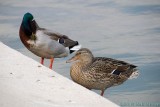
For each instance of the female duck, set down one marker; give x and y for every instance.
(99, 72)
(44, 43)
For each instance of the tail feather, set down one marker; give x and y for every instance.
(134, 74)
(74, 48)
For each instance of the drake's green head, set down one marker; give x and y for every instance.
(26, 23)
(28, 16)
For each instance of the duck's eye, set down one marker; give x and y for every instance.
(78, 53)
(61, 41)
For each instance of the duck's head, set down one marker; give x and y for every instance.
(29, 25)
(82, 55)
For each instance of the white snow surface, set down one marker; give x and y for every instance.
(26, 83)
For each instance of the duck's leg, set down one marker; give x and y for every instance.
(51, 63)
(102, 92)
(42, 60)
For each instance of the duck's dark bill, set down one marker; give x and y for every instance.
(71, 60)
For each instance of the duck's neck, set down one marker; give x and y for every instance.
(26, 27)
(29, 27)
(78, 69)
(27, 31)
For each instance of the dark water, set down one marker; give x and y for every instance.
(125, 30)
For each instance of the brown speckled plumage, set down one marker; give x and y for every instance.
(97, 72)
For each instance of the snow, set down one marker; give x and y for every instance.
(26, 83)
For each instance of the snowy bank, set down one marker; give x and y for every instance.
(26, 83)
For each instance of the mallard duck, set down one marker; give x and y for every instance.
(99, 72)
(45, 43)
